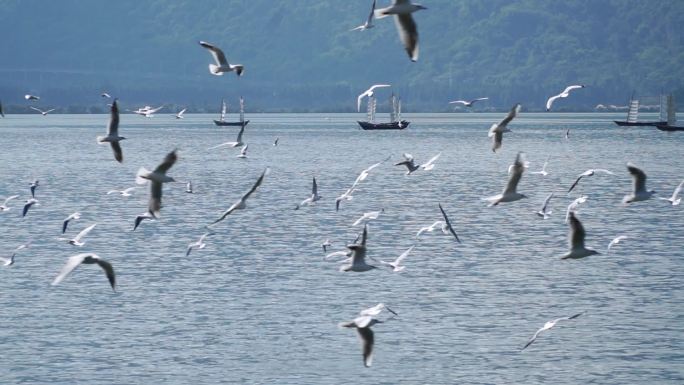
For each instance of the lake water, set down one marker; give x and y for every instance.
(260, 305)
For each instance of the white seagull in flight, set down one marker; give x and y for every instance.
(615, 241)
(222, 64)
(496, 130)
(88, 259)
(123, 193)
(369, 22)
(180, 113)
(673, 199)
(543, 171)
(44, 113)
(639, 192)
(468, 103)
(368, 216)
(242, 202)
(113, 133)
(544, 212)
(31, 97)
(510, 193)
(4, 207)
(408, 31)
(548, 326)
(76, 241)
(369, 92)
(314, 197)
(576, 240)
(68, 219)
(572, 207)
(589, 172)
(358, 257)
(347, 195)
(564, 94)
(363, 327)
(157, 178)
(396, 267)
(238, 142)
(199, 244)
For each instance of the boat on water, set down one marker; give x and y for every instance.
(671, 124)
(224, 110)
(633, 115)
(395, 123)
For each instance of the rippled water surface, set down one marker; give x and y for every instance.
(260, 305)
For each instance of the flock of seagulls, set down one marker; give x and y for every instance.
(355, 255)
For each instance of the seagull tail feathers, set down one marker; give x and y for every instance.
(100, 139)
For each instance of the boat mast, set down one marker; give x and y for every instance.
(671, 111)
(399, 110)
(224, 109)
(370, 114)
(633, 113)
(393, 108)
(242, 109)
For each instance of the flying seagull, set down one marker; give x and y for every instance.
(448, 223)
(31, 97)
(123, 193)
(369, 22)
(314, 197)
(180, 113)
(243, 152)
(242, 202)
(222, 64)
(140, 218)
(543, 171)
(408, 31)
(363, 327)
(589, 172)
(30, 202)
(8, 261)
(147, 111)
(369, 92)
(43, 112)
(496, 130)
(544, 212)
(188, 187)
(88, 259)
(548, 326)
(68, 219)
(616, 241)
(396, 266)
(576, 240)
(33, 187)
(358, 257)
(347, 195)
(673, 199)
(157, 178)
(639, 192)
(3, 206)
(199, 244)
(409, 162)
(432, 227)
(368, 216)
(510, 193)
(237, 143)
(467, 103)
(275, 142)
(325, 245)
(76, 241)
(106, 95)
(564, 94)
(113, 133)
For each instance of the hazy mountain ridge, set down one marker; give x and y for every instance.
(300, 55)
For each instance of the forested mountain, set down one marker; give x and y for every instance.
(301, 55)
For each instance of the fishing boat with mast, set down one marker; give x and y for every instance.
(224, 111)
(671, 117)
(395, 123)
(633, 115)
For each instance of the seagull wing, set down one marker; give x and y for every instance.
(367, 340)
(113, 126)
(511, 114)
(516, 174)
(674, 194)
(369, 21)
(314, 188)
(256, 185)
(577, 233)
(448, 223)
(534, 337)
(36, 109)
(109, 271)
(239, 136)
(116, 149)
(479, 99)
(169, 160)
(639, 178)
(464, 102)
(573, 87)
(70, 265)
(216, 52)
(550, 101)
(408, 33)
(403, 256)
(84, 232)
(546, 202)
(16, 196)
(575, 183)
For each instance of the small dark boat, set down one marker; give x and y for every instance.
(633, 115)
(395, 123)
(224, 110)
(667, 127)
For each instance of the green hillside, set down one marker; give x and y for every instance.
(300, 54)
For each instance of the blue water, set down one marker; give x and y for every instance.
(259, 304)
